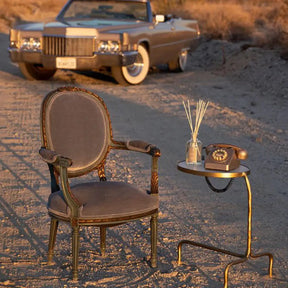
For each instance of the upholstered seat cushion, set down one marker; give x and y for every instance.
(101, 200)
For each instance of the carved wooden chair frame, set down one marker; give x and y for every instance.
(60, 174)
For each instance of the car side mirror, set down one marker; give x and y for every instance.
(159, 18)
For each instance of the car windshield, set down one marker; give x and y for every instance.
(110, 10)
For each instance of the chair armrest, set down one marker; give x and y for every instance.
(141, 146)
(144, 147)
(51, 157)
(136, 145)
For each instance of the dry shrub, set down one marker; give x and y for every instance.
(264, 22)
(224, 21)
(16, 11)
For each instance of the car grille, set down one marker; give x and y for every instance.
(62, 46)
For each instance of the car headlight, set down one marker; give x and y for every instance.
(30, 43)
(108, 47)
(13, 44)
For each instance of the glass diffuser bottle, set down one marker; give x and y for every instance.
(193, 151)
(194, 145)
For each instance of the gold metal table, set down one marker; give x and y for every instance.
(242, 171)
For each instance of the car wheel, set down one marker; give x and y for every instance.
(180, 63)
(136, 73)
(36, 71)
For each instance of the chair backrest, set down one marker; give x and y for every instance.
(75, 123)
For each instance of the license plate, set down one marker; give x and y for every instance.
(66, 63)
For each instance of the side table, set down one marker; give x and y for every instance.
(242, 171)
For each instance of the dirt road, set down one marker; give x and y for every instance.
(248, 94)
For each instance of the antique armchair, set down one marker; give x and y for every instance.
(76, 137)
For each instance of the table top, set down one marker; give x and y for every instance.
(198, 169)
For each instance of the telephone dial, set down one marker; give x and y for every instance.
(224, 157)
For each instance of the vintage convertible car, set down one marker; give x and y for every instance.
(123, 37)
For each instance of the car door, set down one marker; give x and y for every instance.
(162, 40)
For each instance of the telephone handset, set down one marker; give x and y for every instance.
(224, 157)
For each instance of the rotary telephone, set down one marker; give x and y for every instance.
(224, 157)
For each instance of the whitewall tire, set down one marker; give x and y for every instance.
(136, 73)
(35, 71)
(180, 63)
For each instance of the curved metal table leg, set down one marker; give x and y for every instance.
(248, 255)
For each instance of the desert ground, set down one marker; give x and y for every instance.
(248, 95)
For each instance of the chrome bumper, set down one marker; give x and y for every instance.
(82, 63)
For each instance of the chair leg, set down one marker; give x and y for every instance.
(103, 240)
(154, 228)
(75, 251)
(52, 238)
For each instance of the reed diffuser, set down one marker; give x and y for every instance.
(194, 145)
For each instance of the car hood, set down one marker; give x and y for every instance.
(100, 25)
(30, 27)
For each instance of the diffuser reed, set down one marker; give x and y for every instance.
(194, 145)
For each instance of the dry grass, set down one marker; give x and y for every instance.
(15, 11)
(264, 22)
